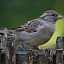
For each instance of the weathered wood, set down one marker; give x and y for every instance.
(10, 50)
(59, 58)
(0, 56)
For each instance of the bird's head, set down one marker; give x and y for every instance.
(50, 16)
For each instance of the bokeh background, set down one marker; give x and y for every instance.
(16, 12)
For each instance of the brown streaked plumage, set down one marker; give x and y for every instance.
(38, 31)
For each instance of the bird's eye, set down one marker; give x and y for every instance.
(53, 14)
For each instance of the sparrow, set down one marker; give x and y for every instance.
(38, 31)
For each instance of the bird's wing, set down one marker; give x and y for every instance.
(30, 26)
(33, 25)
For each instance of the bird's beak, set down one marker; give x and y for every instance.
(59, 17)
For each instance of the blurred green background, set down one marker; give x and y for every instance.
(16, 12)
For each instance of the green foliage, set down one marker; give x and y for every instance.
(16, 12)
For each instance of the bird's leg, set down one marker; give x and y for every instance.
(36, 48)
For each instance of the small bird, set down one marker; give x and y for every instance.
(38, 31)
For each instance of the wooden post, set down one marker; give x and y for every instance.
(54, 57)
(49, 56)
(1, 44)
(60, 43)
(3, 34)
(0, 56)
(10, 50)
(59, 56)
